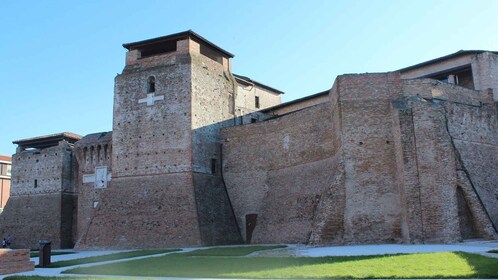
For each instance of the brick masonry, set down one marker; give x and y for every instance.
(42, 199)
(14, 261)
(383, 158)
(383, 164)
(163, 154)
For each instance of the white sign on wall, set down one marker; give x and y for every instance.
(99, 178)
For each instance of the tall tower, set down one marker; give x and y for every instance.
(42, 196)
(172, 98)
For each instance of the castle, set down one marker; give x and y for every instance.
(201, 156)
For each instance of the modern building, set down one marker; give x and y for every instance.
(5, 174)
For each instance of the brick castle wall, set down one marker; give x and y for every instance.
(410, 161)
(42, 198)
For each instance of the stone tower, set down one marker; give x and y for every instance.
(43, 195)
(172, 98)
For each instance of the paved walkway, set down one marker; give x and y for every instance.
(361, 250)
(480, 247)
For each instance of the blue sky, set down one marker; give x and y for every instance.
(58, 59)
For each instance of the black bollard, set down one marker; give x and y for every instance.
(45, 253)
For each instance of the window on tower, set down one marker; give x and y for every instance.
(151, 84)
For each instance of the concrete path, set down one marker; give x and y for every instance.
(361, 250)
(480, 247)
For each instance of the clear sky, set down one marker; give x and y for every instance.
(58, 59)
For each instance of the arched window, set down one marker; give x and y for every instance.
(98, 153)
(85, 154)
(92, 150)
(151, 84)
(105, 152)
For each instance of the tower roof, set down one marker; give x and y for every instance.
(177, 36)
(47, 140)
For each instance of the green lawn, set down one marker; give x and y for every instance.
(109, 257)
(227, 262)
(429, 265)
(230, 251)
(35, 254)
(59, 278)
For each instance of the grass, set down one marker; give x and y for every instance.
(58, 278)
(227, 262)
(35, 254)
(230, 251)
(429, 265)
(109, 257)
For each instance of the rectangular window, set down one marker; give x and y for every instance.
(210, 53)
(256, 101)
(213, 166)
(158, 49)
(461, 76)
(5, 169)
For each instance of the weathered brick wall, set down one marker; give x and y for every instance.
(467, 122)
(280, 169)
(437, 174)
(213, 88)
(213, 93)
(45, 211)
(46, 166)
(150, 201)
(372, 211)
(153, 139)
(473, 127)
(397, 152)
(13, 261)
(145, 212)
(29, 219)
(485, 69)
(91, 151)
(217, 223)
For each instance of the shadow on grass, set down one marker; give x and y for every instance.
(35, 254)
(230, 251)
(109, 257)
(484, 267)
(431, 265)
